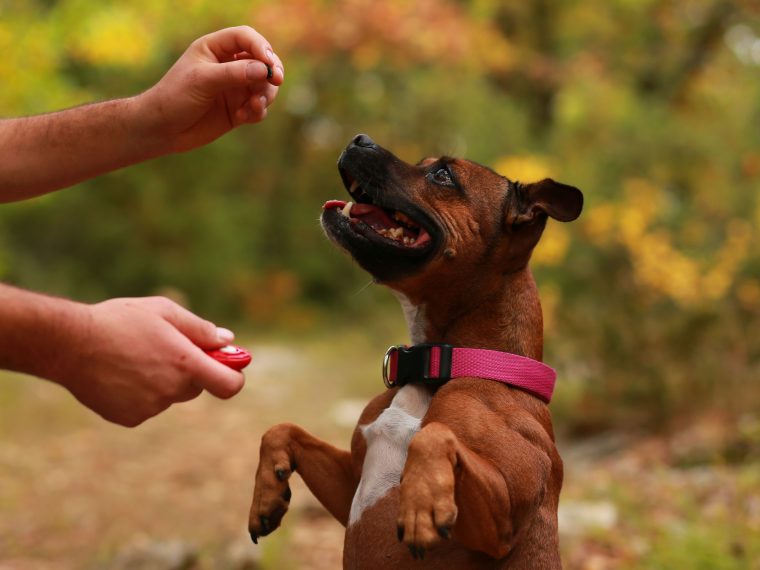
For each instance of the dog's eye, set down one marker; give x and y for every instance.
(442, 177)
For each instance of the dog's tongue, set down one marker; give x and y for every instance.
(422, 238)
(370, 214)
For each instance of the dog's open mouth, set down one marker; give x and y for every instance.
(392, 225)
(384, 224)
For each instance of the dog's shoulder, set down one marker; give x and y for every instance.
(493, 402)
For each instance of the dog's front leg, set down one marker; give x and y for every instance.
(326, 470)
(482, 499)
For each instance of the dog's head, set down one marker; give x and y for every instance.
(413, 226)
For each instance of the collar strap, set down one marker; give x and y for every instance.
(436, 364)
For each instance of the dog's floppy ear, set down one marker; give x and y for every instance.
(560, 201)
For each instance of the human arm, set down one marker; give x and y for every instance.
(219, 83)
(126, 359)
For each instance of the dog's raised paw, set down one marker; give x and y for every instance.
(425, 522)
(427, 506)
(272, 494)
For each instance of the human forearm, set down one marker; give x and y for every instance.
(36, 331)
(47, 152)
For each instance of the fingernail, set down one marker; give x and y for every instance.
(269, 72)
(225, 335)
(250, 72)
(264, 102)
(270, 55)
(282, 71)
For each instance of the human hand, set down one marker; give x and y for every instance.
(140, 356)
(219, 83)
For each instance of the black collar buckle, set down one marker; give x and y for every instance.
(413, 365)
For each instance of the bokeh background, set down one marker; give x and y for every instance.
(651, 299)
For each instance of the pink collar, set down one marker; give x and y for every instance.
(436, 364)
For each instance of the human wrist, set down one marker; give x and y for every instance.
(146, 114)
(64, 341)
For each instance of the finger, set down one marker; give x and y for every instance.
(253, 109)
(246, 115)
(275, 73)
(229, 41)
(258, 104)
(261, 89)
(200, 332)
(240, 73)
(270, 92)
(218, 379)
(278, 73)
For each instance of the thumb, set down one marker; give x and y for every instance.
(200, 332)
(239, 73)
(216, 378)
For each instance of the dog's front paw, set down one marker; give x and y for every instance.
(271, 496)
(427, 510)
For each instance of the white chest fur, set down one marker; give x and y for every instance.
(388, 438)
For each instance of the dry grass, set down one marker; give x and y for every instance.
(75, 490)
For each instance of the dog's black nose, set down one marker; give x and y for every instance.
(363, 141)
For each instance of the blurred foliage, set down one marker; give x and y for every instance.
(651, 107)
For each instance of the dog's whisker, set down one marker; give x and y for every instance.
(363, 288)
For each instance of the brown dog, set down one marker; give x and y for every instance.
(461, 475)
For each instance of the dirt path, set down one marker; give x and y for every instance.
(76, 492)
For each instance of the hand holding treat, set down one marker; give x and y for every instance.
(223, 80)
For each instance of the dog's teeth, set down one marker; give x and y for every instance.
(354, 186)
(346, 211)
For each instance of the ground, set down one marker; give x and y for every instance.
(77, 492)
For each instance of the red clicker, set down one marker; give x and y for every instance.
(232, 356)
